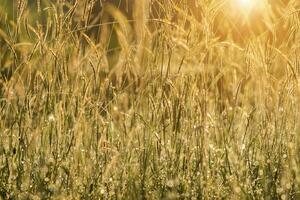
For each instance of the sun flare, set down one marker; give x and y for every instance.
(246, 4)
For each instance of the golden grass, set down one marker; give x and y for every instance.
(168, 99)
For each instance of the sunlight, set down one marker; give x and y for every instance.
(246, 4)
(251, 4)
(250, 7)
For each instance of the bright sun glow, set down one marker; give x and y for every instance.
(247, 4)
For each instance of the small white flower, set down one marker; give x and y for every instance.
(51, 118)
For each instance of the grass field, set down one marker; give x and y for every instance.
(160, 99)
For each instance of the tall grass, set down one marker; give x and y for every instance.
(167, 100)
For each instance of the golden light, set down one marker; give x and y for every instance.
(250, 7)
(246, 5)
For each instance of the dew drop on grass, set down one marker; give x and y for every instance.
(284, 156)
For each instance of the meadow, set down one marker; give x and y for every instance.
(149, 99)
